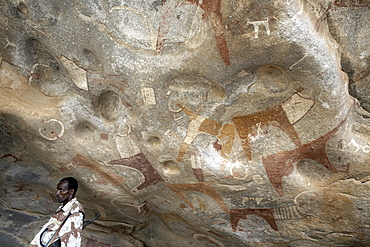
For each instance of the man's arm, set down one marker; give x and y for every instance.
(46, 234)
(70, 234)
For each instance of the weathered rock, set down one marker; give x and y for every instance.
(188, 123)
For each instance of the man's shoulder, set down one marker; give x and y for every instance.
(77, 206)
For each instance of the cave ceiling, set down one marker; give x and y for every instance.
(188, 122)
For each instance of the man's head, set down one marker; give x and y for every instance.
(66, 189)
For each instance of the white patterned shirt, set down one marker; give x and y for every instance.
(70, 233)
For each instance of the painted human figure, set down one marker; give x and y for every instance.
(64, 228)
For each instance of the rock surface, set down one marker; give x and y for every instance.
(188, 122)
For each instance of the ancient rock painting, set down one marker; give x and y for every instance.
(148, 96)
(282, 116)
(77, 74)
(257, 24)
(237, 214)
(363, 148)
(53, 130)
(198, 124)
(141, 208)
(140, 162)
(107, 176)
(287, 213)
(247, 126)
(281, 164)
(322, 17)
(125, 145)
(226, 139)
(212, 13)
(131, 210)
(205, 188)
(16, 159)
(296, 107)
(258, 200)
(281, 213)
(196, 165)
(326, 204)
(198, 173)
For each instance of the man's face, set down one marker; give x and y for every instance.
(64, 194)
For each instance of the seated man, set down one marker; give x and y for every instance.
(65, 226)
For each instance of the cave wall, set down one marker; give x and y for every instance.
(188, 122)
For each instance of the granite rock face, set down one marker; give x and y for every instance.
(188, 122)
